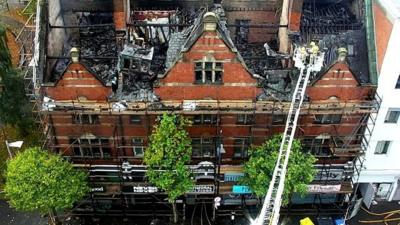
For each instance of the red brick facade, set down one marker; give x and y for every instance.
(78, 83)
(237, 82)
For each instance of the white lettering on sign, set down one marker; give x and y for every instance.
(97, 189)
(202, 189)
(315, 188)
(145, 189)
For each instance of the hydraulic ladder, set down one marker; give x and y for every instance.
(307, 60)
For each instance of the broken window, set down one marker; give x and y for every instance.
(398, 83)
(208, 72)
(203, 147)
(85, 119)
(135, 119)
(328, 118)
(392, 116)
(316, 145)
(240, 147)
(205, 119)
(245, 119)
(138, 146)
(90, 147)
(382, 147)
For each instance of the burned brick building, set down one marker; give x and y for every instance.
(108, 69)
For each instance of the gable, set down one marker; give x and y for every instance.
(338, 81)
(180, 81)
(78, 83)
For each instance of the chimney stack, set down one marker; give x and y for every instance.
(342, 54)
(75, 54)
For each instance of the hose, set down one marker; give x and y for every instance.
(385, 219)
(380, 214)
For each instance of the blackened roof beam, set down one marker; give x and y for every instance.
(228, 25)
(87, 5)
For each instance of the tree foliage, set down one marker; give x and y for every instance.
(15, 109)
(167, 155)
(40, 181)
(260, 167)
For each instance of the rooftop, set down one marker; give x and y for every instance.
(151, 50)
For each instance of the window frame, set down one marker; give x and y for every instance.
(389, 116)
(138, 143)
(133, 121)
(397, 86)
(202, 68)
(200, 119)
(327, 119)
(383, 147)
(241, 145)
(87, 146)
(245, 119)
(202, 146)
(82, 118)
(279, 119)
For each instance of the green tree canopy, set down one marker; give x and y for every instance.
(260, 167)
(167, 155)
(14, 105)
(40, 181)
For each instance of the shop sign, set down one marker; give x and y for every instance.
(241, 189)
(97, 189)
(232, 177)
(202, 189)
(147, 189)
(315, 188)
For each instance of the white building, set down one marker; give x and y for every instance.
(380, 177)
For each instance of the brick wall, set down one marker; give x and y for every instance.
(78, 82)
(256, 35)
(119, 14)
(179, 82)
(338, 81)
(383, 29)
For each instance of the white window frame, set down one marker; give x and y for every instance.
(388, 115)
(382, 147)
(138, 144)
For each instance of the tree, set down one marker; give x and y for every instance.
(14, 105)
(259, 168)
(39, 181)
(166, 157)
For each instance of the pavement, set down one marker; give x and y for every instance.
(9, 216)
(378, 213)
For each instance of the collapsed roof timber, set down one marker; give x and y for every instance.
(156, 38)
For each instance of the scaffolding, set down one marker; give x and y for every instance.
(267, 117)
